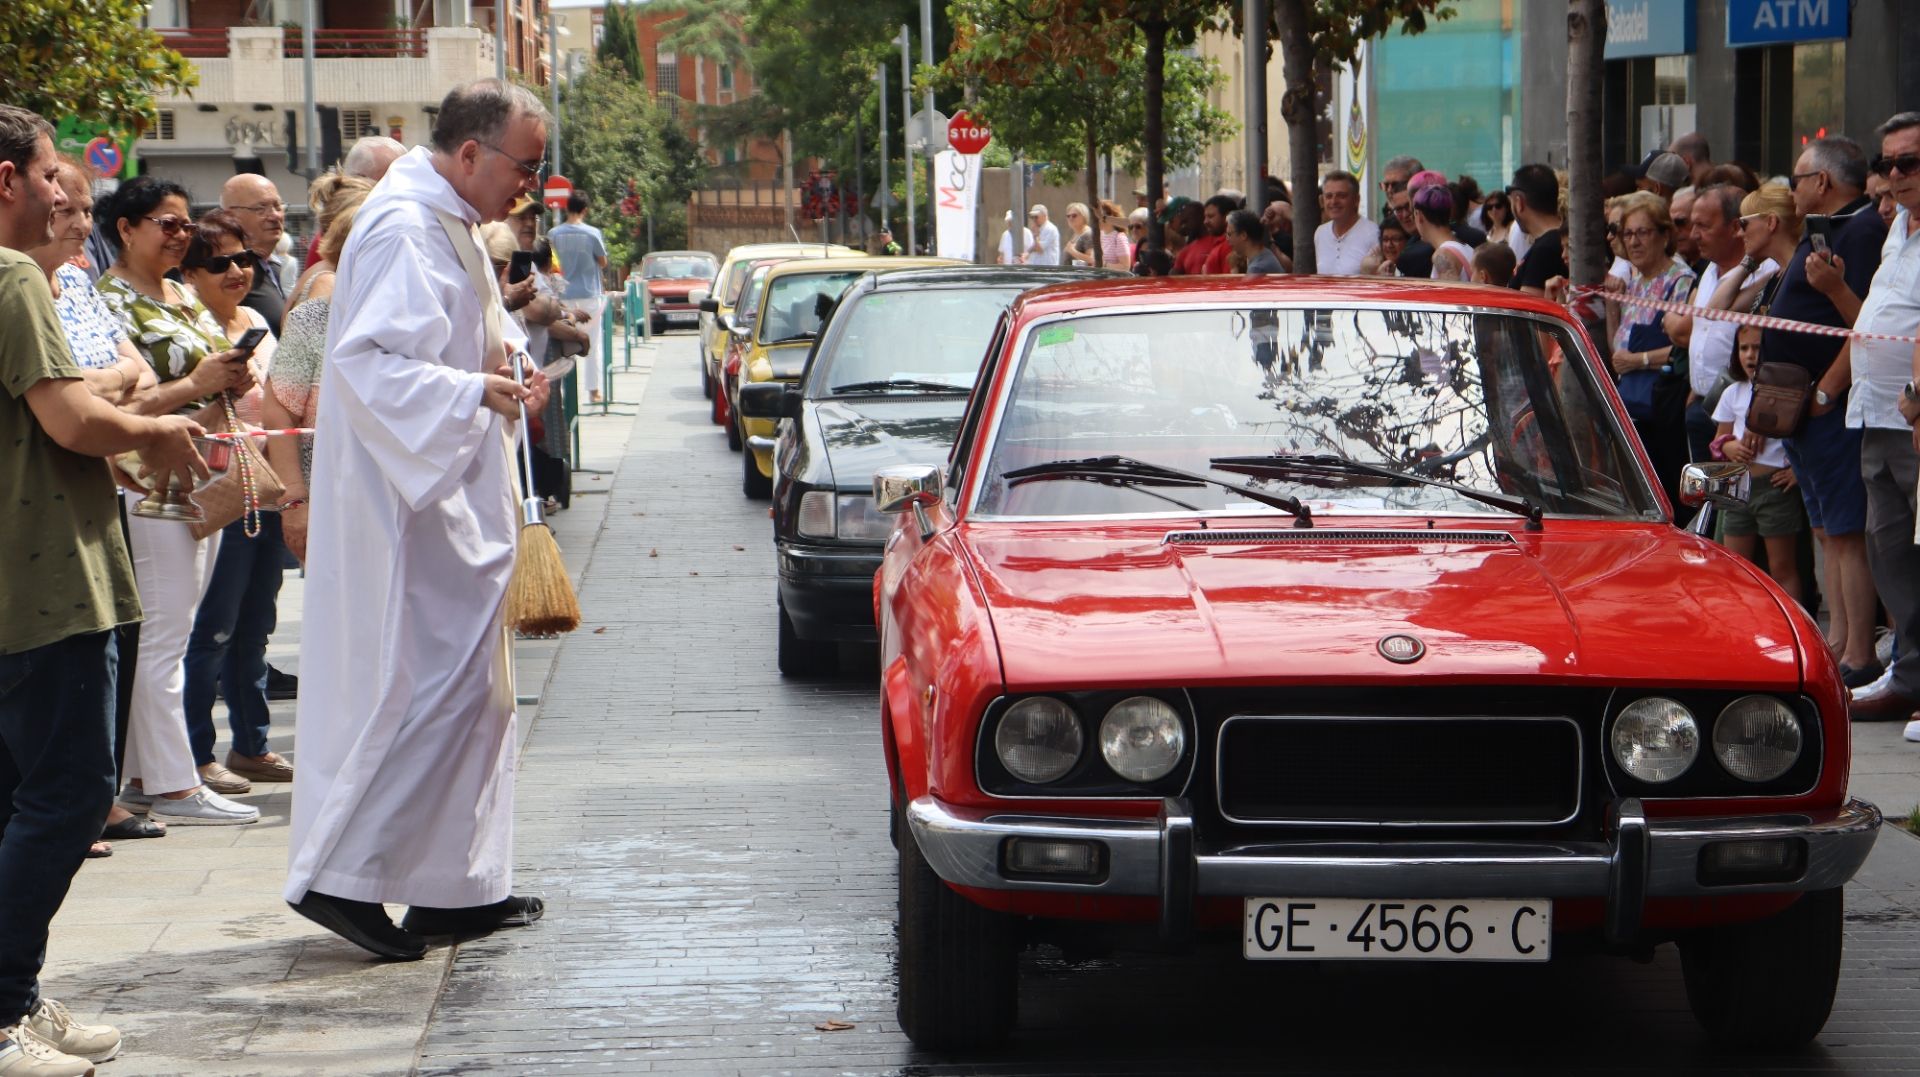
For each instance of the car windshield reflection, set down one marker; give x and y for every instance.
(927, 341)
(1482, 400)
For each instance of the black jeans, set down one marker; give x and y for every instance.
(56, 783)
(229, 641)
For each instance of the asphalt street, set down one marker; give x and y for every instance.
(711, 840)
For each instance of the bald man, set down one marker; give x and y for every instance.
(256, 202)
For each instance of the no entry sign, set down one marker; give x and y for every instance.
(967, 136)
(556, 192)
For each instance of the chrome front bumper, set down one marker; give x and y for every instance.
(1645, 858)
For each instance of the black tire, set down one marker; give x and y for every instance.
(1767, 986)
(706, 379)
(736, 440)
(959, 969)
(756, 486)
(803, 657)
(659, 326)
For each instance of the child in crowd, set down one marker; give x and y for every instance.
(1773, 513)
(1493, 263)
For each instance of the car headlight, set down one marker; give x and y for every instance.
(1757, 738)
(856, 518)
(1039, 740)
(815, 518)
(1142, 739)
(1655, 739)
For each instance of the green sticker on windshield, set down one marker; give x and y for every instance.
(1055, 334)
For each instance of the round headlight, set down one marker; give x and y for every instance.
(1142, 739)
(1655, 739)
(1757, 738)
(1039, 740)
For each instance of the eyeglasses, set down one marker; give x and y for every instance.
(220, 263)
(1793, 181)
(264, 208)
(531, 169)
(171, 226)
(1682, 223)
(1907, 163)
(1632, 234)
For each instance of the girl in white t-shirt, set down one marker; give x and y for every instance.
(1773, 513)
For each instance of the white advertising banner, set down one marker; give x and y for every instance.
(956, 178)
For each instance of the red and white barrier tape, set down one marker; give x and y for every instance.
(1763, 321)
(286, 433)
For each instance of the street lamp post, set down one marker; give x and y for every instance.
(933, 187)
(1254, 63)
(906, 112)
(308, 18)
(553, 83)
(886, 188)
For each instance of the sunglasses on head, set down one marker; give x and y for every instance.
(1907, 163)
(220, 263)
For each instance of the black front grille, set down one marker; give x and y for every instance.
(1437, 771)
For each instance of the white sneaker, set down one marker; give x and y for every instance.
(1913, 731)
(52, 1023)
(1879, 684)
(135, 800)
(23, 1054)
(203, 808)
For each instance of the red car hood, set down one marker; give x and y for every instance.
(1580, 601)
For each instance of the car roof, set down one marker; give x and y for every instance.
(864, 264)
(1284, 288)
(1024, 276)
(818, 250)
(680, 254)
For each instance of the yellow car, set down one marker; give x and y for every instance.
(795, 297)
(716, 306)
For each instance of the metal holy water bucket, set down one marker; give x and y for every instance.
(168, 500)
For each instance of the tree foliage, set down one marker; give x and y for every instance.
(89, 59)
(710, 30)
(620, 42)
(614, 135)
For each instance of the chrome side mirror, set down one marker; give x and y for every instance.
(1720, 482)
(906, 486)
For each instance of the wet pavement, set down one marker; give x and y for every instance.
(711, 840)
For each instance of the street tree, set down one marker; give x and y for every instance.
(1317, 36)
(89, 59)
(618, 142)
(620, 42)
(1064, 79)
(710, 30)
(1587, 254)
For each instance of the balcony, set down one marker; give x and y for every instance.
(263, 64)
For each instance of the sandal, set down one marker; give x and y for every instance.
(133, 827)
(99, 849)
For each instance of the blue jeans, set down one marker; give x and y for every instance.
(56, 783)
(229, 642)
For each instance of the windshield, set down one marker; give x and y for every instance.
(677, 267)
(791, 303)
(930, 336)
(741, 273)
(750, 300)
(1486, 401)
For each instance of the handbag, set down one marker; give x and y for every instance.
(246, 484)
(1637, 387)
(1782, 392)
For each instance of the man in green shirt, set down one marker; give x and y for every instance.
(68, 584)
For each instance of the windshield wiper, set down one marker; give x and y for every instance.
(1126, 472)
(1282, 465)
(905, 385)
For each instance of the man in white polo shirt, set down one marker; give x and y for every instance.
(1716, 229)
(1343, 242)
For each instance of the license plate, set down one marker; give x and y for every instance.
(1351, 929)
(683, 315)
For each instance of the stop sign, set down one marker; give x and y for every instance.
(556, 192)
(966, 135)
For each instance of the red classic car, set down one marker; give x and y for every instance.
(1346, 618)
(670, 277)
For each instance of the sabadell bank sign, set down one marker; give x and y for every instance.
(1649, 28)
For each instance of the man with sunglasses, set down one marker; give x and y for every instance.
(1883, 405)
(1828, 179)
(406, 717)
(256, 201)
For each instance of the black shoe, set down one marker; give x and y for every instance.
(1861, 677)
(363, 923)
(475, 919)
(282, 686)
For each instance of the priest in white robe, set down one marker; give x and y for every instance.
(406, 712)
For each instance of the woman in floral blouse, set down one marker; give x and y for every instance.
(191, 356)
(1640, 345)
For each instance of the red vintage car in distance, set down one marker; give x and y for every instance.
(1347, 619)
(670, 277)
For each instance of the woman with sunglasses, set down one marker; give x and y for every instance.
(190, 354)
(1499, 217)
(228, 648)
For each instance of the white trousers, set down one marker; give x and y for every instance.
(593, 363)
(172, 571)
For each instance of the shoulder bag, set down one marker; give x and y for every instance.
(1782, 392)
(246, 483)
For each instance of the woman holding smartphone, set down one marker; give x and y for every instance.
(189, 352)
(228, 648)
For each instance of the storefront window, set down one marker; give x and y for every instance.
(1819, 91)
(1672, 80)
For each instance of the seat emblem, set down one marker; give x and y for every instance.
(1401, 648)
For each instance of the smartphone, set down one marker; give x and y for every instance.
(1819, 227)
(248, 341)
(520, 267)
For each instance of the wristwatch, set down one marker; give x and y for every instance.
(1749, 263)
(1821, 398)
